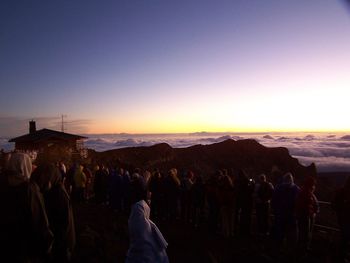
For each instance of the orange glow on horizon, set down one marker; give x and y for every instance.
(164, 128)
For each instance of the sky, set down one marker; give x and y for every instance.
(159, 66)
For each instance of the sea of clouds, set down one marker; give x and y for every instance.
(329, 151)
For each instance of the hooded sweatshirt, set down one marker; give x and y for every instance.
(19, 168)
(147, 243)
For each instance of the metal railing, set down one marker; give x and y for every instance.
(326, 219)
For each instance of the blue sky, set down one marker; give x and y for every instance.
(174, 66)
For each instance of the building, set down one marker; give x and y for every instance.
(41, 140)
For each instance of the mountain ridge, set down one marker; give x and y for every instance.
(247, 154)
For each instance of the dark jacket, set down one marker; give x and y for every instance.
(25, 232)
(59, 210)
(60, 215)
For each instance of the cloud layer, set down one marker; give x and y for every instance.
(330, 152)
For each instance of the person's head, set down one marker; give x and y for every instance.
(146, 175)
(288, 178)
(157, 175)
(173, 172)
(262, 178)
(226, 181)
(135, 176)
(137, 170)
(173, 176)
(138, 190)
(46, 176)
(190, 175)
(309, 184)
(20, 165)
(219, 174)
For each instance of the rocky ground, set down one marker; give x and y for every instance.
(102, 237)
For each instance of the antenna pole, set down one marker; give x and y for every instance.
(62, 122)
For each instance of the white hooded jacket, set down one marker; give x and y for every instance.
(147, 243)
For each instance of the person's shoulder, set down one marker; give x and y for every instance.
(140, 204)
(140, 207)
(296, 188)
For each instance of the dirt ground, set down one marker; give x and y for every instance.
(102, 236)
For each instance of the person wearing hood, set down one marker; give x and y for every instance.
(283, 205)
(25, 233)
(59, 210)
(147, 244)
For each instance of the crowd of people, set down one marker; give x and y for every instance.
(39, 219)
(37, 223)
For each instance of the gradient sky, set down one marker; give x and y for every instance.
(146, 66)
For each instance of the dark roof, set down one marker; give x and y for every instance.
(44, 134)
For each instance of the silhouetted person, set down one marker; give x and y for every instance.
(116, 190)
(213, 202)
(186, 188)
(69, 179)
(157, 195)
(62, 168)
(89, 183)
(341, 205)
(59, 211)
(283, 204)
(244, 203)
(25, 233)
(80, 180)
(172, 193)
(305, 210)
(101, 185)
(147, 243)
(263, 194)
(226, 200)
(126, 180)
(198, 200)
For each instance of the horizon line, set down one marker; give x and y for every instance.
(212, 132)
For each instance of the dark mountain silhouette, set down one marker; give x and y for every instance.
(206, 159)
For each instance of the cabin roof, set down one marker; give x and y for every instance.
(45, 134)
